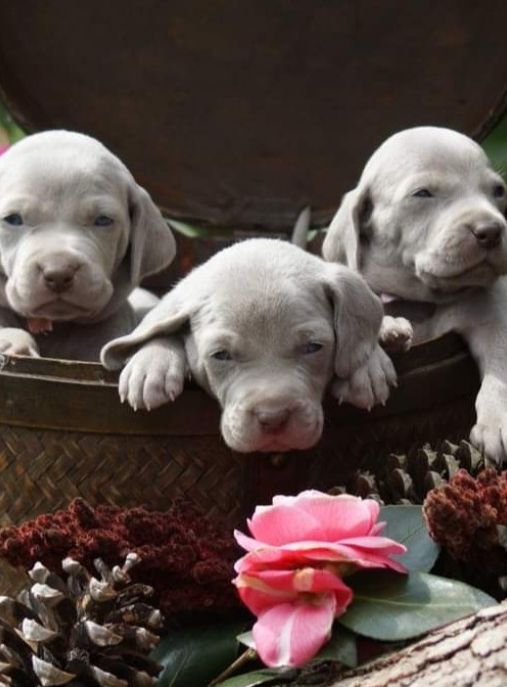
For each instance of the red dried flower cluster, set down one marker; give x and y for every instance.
(186, 557)
(464, 515)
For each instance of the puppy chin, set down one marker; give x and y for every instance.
(66, 307)
(241, 434)
(451, 277)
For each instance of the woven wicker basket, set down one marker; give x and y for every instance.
(64, 433)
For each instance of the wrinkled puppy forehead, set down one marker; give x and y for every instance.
(54, 162)
(425, 149)
(262, 315)
(261, 288)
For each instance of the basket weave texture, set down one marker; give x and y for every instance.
(42, 470)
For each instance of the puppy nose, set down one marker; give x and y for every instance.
(488, 234)
(272, 420)
(59, 279)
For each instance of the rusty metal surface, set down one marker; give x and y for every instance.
(241, 112)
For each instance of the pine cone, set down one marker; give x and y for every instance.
(83, 632)
(407, 478)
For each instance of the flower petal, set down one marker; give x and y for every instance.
(246, 542)
(340, 517)
(291, 634)
(277, 525)
(302, 554)
(308, 580)
(308, 493)
(258, 596)
(263, 589)
(375, 543)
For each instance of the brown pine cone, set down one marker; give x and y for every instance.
(81, 631)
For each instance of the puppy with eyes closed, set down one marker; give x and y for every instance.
(77, 235)
(426, 227)
(263, 327)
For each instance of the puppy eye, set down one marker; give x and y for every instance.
(14, 219)
(499, 191)
(222, 355)
(103, 221)
(311, 347)
(422, 193)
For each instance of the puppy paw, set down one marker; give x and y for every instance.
(370, 384)
(490, 438)
(153, 376)
(396, 334)
(18, 342)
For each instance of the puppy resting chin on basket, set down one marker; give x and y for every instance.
(263, 327)
(77, 235)
(426, 227)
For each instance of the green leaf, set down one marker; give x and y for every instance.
(193, 656)
(406, 525)
(341, 647)
(392, 607)
(258, 677)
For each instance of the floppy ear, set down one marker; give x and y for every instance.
(357, 317)
(343, 236)
(166, 318)
(152, 244)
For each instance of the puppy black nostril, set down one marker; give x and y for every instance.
(272, 420)
(59, 280)
(488, 235)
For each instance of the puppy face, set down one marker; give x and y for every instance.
(265, 325)
(68, 213)
(427, 219)
(267, 360)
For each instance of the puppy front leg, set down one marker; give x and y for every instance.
(369, 384)
(155, 374)
(489, 434)
(481, 319)
(396, 334)
(13, 339)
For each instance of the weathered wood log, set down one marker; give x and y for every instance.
(469, 652)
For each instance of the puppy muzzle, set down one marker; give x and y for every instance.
(59, 286)
(268, 425)
(469, 252)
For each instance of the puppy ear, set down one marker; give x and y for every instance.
(167, 317)
(343, 236)
(152, 244)
(357, 317)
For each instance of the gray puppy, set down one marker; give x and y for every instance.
(426, 227)
(77, 235)
(263, 327)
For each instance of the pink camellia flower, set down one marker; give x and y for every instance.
(4, 147)
(291, 577)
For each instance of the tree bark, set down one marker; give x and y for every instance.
(471, 652)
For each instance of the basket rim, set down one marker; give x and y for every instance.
(75, 396)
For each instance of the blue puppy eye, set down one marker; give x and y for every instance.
(103, 221)
(311, 347)
(422, 193)
(499, 191)
(222, 355)
(14, 219)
